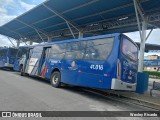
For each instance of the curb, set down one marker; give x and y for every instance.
(148, 103)
(143, 102)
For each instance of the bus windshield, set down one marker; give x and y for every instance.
(129, 49)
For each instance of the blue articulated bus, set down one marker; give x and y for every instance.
(7, 57)
(103, 62)
(20, 57)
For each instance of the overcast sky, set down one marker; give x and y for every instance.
(10, 9)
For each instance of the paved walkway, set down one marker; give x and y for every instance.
(151, 80)
(145, 97)
(30, 94)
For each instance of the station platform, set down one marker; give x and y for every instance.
(154, 99)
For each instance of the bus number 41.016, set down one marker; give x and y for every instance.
(97, 67)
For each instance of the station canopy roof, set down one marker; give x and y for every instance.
(51, 18)
(150, 47)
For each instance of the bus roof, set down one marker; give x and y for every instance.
(80, 39)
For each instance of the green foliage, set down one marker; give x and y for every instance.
(153, 74)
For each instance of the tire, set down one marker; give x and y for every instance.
(21, 70)
(56, 79)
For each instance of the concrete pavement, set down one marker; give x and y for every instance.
(19, 93)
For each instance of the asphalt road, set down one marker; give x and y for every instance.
(19, 93)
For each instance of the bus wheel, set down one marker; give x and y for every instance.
(56, 79)
(21, 70)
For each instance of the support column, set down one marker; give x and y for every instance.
(80, 35)
(30, 42)
(142, 46)
(49, 39)
(18, 43)
(70, 30)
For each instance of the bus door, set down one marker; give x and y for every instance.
(28, 57)
(35, 60)
(128, 61)
(43, 62)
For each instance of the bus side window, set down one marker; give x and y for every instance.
(81, 51)
(96, 42)
(75, 46)
(101, 51)
(58, 48)
(57, 55)
(70, 55)
(91, 53)
(80, 54)
(68, 46)
(77, 50)
(82, 45)
(75, 54)
(36, 52)
(57, 51)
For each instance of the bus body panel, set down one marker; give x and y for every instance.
(79, 72)
(96, 73)
(52, 65)
(90, 74)
(70, 71)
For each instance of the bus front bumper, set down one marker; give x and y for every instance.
(120, 85)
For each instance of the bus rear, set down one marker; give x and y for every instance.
(127, 66)
(7, 57)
